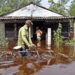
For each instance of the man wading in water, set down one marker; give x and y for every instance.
(38, 34)
(23, 38)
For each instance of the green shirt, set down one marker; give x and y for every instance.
(23, 37)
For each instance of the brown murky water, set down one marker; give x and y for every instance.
(50, 61)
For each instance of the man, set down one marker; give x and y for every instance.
(38, 34)
(23, 37)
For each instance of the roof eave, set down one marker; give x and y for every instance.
(44, 18)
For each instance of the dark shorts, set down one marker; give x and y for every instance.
(23, 52)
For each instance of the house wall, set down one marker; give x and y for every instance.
(43, 25)
(65, 29)
(10, 31)
(2, 30)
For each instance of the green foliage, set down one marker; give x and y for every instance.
(72, 8)
(72, 13)
(4, 10)
(59, 6)
(8, 5)
(70, 42)
(63, 1)
(1, 10)
(4, 43)
(71, 25)
(58, 39)
(35, 1)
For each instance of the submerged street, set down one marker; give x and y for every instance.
(51, 60)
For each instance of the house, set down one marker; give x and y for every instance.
(40, 16)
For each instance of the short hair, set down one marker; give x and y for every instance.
(28, 22)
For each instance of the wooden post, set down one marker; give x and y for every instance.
(74, 30)
(15, 31)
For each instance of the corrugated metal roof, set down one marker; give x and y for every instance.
(33, 10)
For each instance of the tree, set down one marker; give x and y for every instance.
(24, 2)
(59, 6)
(8, 5)
(72, 8)
(72, 13)
(58, 39)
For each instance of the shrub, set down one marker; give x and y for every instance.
(58, 39)
(3, 43)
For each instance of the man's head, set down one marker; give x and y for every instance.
(28, 23)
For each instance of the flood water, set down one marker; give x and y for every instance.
(49, 60)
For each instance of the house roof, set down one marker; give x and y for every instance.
(33, 11)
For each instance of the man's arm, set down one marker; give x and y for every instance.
(30, 41)
(24, 38)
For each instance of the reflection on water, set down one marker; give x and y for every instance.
(58, 69)
(49, 57)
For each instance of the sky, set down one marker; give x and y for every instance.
(46, 4)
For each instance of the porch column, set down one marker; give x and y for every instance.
(15, 31)
(74, 30)
(2, 30)
(48, 37)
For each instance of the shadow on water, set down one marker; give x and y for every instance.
(51, 59)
